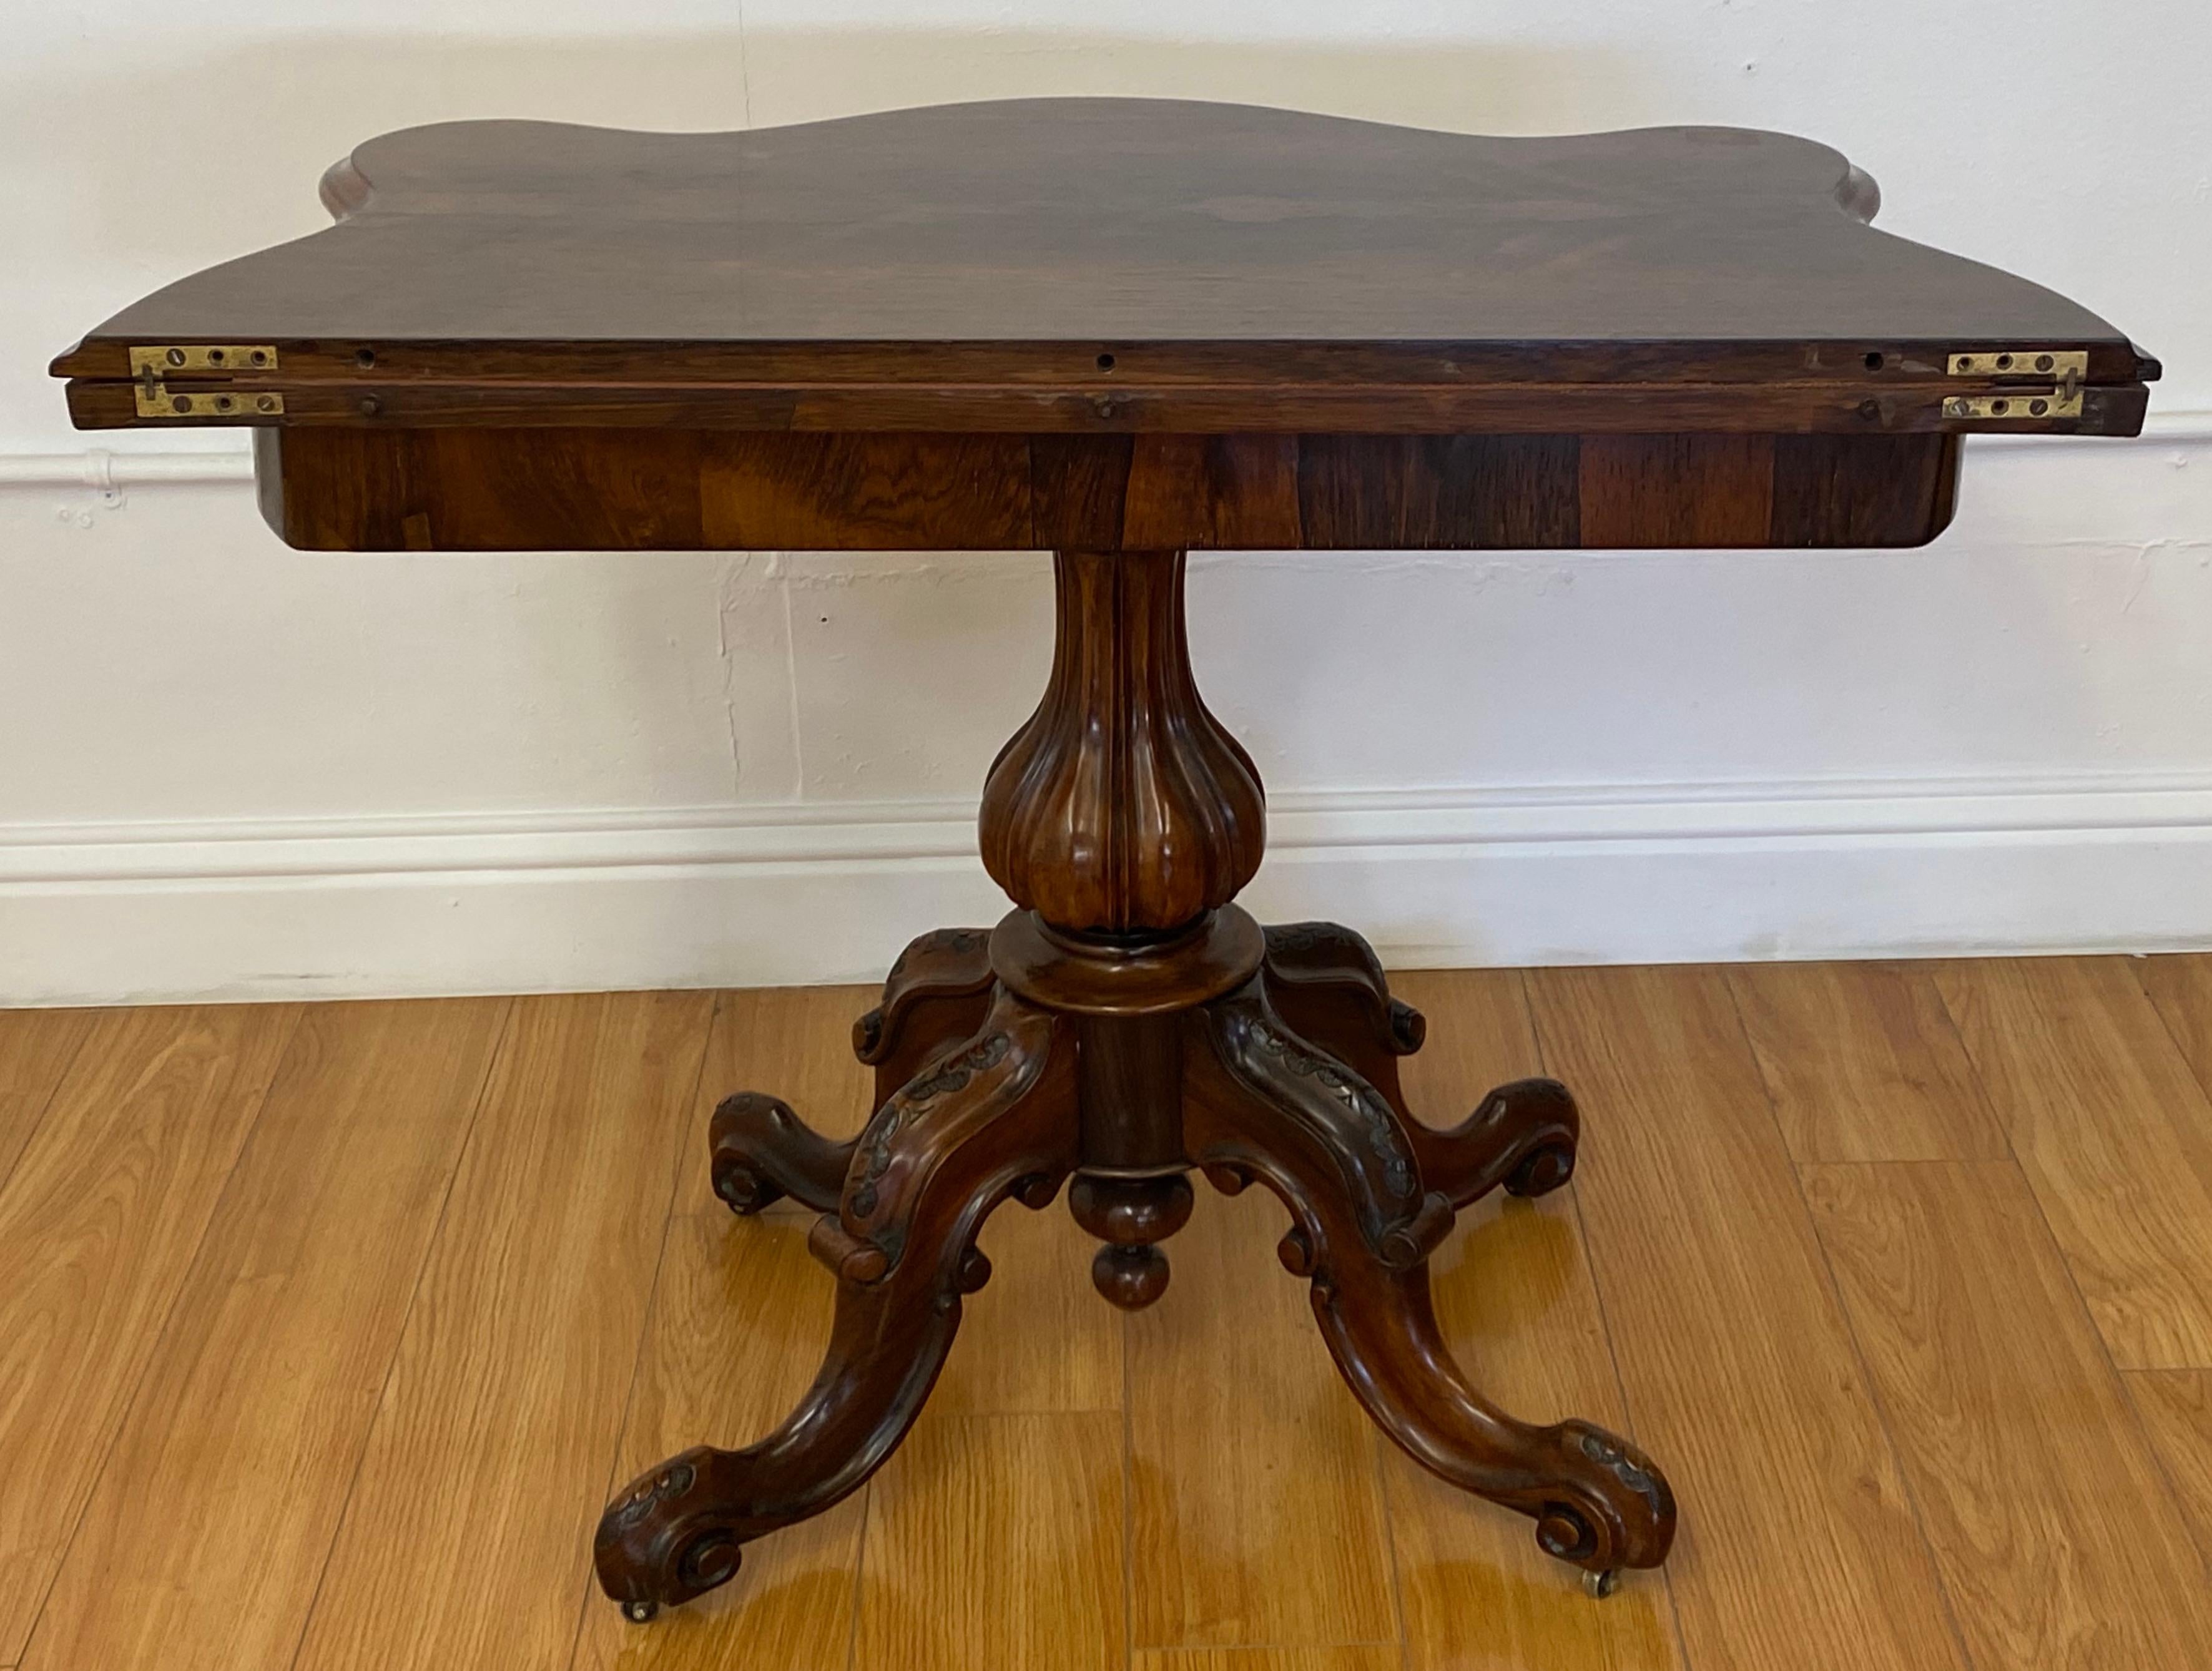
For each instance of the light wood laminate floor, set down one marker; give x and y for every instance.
(326, 1329)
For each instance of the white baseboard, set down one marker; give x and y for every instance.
(732, 896)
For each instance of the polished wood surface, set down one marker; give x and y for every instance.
(495, 1426)
(268, 1372)
(1106, 264)
(1122, 806)
(1716, 1296)
(1049, 242)
(1102, 324)
(638, 488)
(110, 1196)
(2045, 1489)
(1058, 220)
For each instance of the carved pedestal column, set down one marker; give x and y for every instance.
(1127, 1022)
(1122, 808)
(1122, 817)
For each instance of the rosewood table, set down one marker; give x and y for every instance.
(1119, 330)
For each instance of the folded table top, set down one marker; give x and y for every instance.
(1104, 266)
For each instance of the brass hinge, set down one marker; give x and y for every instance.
(2066, 369)
(148, 365)
(2024, 403)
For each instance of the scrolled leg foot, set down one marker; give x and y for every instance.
(1522, 1136)
(762, 1151)
(1599, 1503)
(663, 1540)
(992, 1120)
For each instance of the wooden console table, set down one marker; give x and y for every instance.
(1120, 330)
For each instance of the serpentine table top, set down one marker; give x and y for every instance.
(1103, 321)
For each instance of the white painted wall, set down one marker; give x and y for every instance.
(229, 768)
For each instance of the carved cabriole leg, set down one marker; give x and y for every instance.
(1327, 983)
(1286, 1086)
(995, 1117)
(760, 1151)
(1262, 1104)
(1521, 1135)
(936, 995)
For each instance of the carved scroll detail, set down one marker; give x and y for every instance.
(1357, 1097)
(1633, 1472)
(873, 1159)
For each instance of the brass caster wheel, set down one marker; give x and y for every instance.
(1599, 1585)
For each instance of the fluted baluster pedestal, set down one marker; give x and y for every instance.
(1126, 1025)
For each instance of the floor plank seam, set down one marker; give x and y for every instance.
(2155, 1451)
(160, 1326)
(1981, 1079)
(2130, 1379)
(2136, 969)
(1309, 1645)
(1881, 1404)
(1605, 1328)
(1919, 1163)
(46, 1107)
(714, 1013)
(1128, 1507)
(492, 1059)
(1835, 1291)
(1379, 1454)
(859, 1565)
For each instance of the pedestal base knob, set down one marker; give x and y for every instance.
(1131, 1277)
(1129, 1215)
